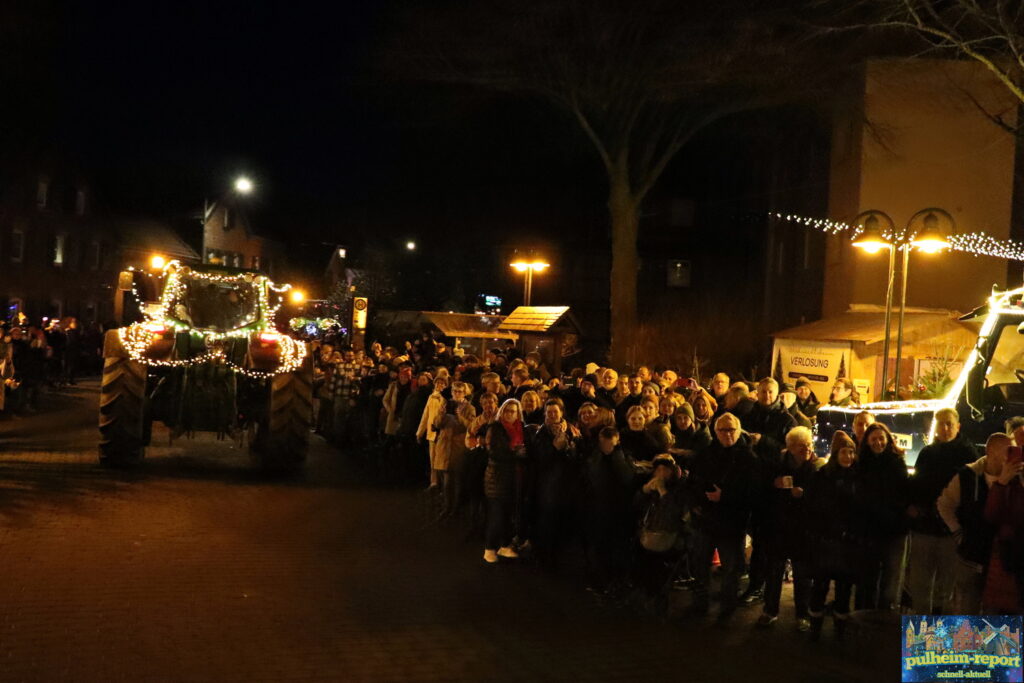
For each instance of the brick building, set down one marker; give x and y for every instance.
(229, 239)
(59, 258)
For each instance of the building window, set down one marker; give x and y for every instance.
(59, 242)
(80, 202)
(17, 245)
(255, 262)
(42, 193)
(94, 256)
(227, 218)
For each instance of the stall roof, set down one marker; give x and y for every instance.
(469, 325)
(534, 318)
(867, 324)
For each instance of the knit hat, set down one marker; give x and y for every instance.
(802, 382)
(841, 440)
(685, 409)
(590, 377)
(591, 368)
(786, 388)
(653, 385)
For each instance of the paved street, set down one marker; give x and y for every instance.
(191, 567)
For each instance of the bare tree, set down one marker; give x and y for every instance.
(639, 78)
(990, 32)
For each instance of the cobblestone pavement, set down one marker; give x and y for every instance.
(192, 567)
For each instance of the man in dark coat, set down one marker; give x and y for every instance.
(806, 401)
(724, 480)
(785, 528)
(768, 424)
(932, 547)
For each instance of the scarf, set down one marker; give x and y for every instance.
(515, 433)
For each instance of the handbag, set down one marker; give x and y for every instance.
(656, 541)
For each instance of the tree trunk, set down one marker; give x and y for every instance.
(622, 209)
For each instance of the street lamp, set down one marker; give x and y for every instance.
(157, 262)
(922, 232)
(529, 268)
(243, 185)
(410, 245)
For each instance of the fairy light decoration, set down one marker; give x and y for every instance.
(137, 337)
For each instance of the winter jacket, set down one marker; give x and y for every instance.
(772, 422)
(500, 476)
(884, 484)
(808, 407)
(659, 512)
(961, 506)
(835, 518)
(412, 411)
(639, 445)
(935, 466)
(556, 471)
(1004, 508)
(394, 401)
(694, 439)
(735, 471)
(607, 485)
(430, 421)
(785, 522)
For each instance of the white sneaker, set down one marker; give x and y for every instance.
(490, 556)
(508, 553)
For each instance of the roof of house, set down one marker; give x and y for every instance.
(153, 237)
(867, 324)
(534, 318)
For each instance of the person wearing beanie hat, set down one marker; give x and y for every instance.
(689, 435)
(787, 396)
(806, 401)
(835, 512)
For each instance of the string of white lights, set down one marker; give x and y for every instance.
(973, 243)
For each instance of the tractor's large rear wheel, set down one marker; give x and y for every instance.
(282, 435)
(124, 419)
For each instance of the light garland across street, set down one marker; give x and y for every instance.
(973, 243)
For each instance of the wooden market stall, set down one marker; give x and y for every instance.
(552, 331)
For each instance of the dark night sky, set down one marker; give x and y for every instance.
(161, 104)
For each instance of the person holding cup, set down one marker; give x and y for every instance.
(785, 528)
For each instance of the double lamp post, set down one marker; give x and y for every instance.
(924, 232)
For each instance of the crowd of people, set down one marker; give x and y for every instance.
(51, 354)
(664, 482)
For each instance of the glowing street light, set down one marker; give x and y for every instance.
(157, 262)
(243, 185)
(297, 296)
(529, 268)
(410, 245)
(922, 232)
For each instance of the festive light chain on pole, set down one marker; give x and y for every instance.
(973, 243)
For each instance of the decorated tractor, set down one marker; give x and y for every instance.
(989, 389)
(206, 357)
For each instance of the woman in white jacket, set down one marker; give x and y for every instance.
(430, 426)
